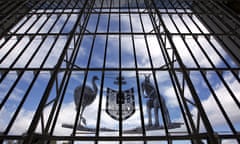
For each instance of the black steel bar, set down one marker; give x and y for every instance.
(219, 27)
(30, 42)
(49, 86)
(65, 81)
(212, 90)
(47, 69)
(230, 13)
(20, 105)
(155, 79)
(133, 12)
(14, 33)
(4, 5)
(69, 8)
(103, 77)
(120, 73)
(29, 88)
(226, 12)
(12, 13)
(191, 87)
(126, 138)
(228, 88)
(125, 33)
(229, 68)
(186, 115)
(189, 83)
(19, 40)
(137, 78)
(19, 76)
(67, 75)
(157, 88)
(204, 76)
(88, 65)
(172, 65)
(221, 21)
(58, 96)
(173, 75)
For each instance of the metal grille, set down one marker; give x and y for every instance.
(190, 50)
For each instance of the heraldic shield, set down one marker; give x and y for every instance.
(115, 98)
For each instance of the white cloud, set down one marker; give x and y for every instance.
(229, 141)
(22, 122)
(4, 114)
(212, 109)
(171, 97)
(67, 113)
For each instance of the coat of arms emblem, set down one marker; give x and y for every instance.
(120, 103)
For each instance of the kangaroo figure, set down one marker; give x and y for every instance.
(149, 91)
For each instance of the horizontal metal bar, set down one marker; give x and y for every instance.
(125, 33)
(123, 138)
(133, 11)
(117, 69)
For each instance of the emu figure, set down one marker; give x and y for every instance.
(88, 96)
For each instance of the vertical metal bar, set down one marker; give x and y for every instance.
(42, 122)
(59, 91)
(50, 84)
(229, 51)
(12, 13)
(67, 75)
(90, 6)
(234, 20)
(172, 73)
(14, 32)
(182, 104)
(188, 81)
(227, 11)
(215, 49)
(120, 69)
(30, 40)
(204, 76)
(77, 44)
(137, 75)
(19, 76)
(20, 105)
(228, 88)
(155, 80)
(180, 4)
(103, 74)
(4, 5)
(35, 77)
(9, 51)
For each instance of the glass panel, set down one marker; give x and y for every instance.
(119, 71)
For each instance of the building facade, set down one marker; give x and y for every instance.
(119, 71)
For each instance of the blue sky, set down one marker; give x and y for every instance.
(67, 113)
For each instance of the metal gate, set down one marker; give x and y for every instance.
(59, 60)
